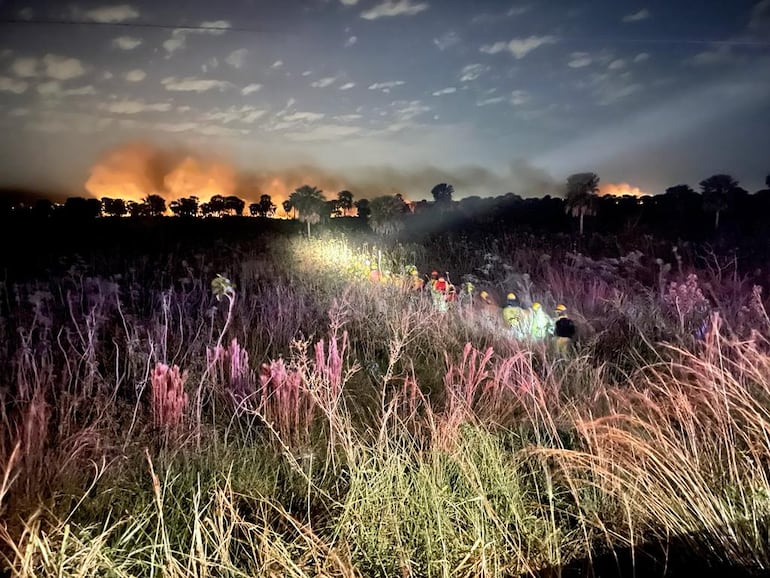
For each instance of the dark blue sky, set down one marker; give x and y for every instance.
(497, 96)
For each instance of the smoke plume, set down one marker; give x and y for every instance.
(135, 170)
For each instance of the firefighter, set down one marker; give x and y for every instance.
(374, 274)
(540, 324)
(513, 314)
(415, 282)
(433, 279)
(564, 331)
(440, 293)
(489, 310)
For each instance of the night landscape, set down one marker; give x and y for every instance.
(408, 288)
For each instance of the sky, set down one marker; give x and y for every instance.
(381, 96)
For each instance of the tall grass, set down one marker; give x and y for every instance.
(347, 429)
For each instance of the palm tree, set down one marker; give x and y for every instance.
(387, 214)
(718, 191)
(362, 208)
(581, 195)
(442, 193)
(310, 202)
(345, 201)
(287, 208)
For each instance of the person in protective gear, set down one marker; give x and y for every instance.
(440, 293)
(513, 314)
(374, 275)
(564, 331)
(415, 282)
(540, 324)
(433, 278)
(488, 309)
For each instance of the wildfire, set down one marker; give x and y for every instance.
(620, 190)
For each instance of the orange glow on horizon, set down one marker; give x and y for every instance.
(620, 190)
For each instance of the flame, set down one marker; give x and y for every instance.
(620, 190)
(194, 177)
(124, 173)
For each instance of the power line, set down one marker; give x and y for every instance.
(222, 30)
(61, 22)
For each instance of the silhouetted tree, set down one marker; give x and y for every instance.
(113, 207)
(80, 208)
(185, 207)
(581, 195)
(718, 192)
(345, 201)
(310, 202)
(288, 208)
(442, 193)
(265, 206)
(137, 209)
(43, 209)
(387, 215)
(234, 205)
(206, 210)
(156, 205)
(333, 208)
(363, 208)
(216, 205)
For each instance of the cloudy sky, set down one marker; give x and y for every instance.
(494, 94)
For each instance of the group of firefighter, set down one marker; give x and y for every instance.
(531, 323)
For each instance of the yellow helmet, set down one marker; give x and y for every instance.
(561, 308)
(511, 296)
(484, 294)
(536, 306)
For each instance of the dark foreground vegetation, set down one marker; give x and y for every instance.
(226, 397)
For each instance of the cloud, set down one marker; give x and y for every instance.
(718, 55)
(13, 85)
(54, 88)
(615, 92)
(324, 132)
(62, 67)
(407, 110)
(304, 117)
(519, 47)
(324, 82)
(443, 91)
(386, 86)
(126, 42)
(215, 27)
(390, 8)
(641, 57)
(618, 64)
(471, 72)
(579, 60)
(112, 14)
(277, 64)
(244, 114)
(246, 90)
(135, 107)
(25, 67)
(642, 14)
(447, 40)
(237, 58)
(351, 41)
(135, 75)
(347, 86)
(519, 97)
(519, 10)
(349, 2)
(177, 41)
(760, 18)
(491, 100)
(193, 84)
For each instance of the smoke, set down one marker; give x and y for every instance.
(620, 190)
(135, 170)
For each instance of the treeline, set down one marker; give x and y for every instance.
(721, 204)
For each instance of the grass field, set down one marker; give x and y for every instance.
(299, 420)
